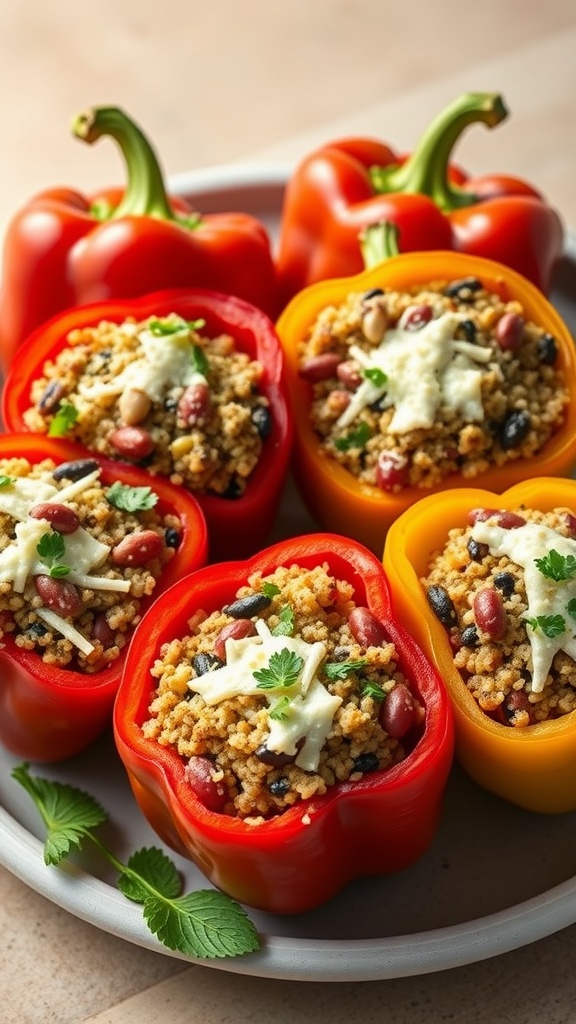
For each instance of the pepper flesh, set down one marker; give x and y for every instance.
(49, 713)
(299, 859)
(333, 495)
(535, 766)
(348, 184)
(234, 524)
(64, 249)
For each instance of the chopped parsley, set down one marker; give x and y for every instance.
(131, 499)
(375, 375)
(280, 711)
(283, 670)
(341, 669)
(355, 438)
(51, 549)
(551, 625)
(571, 608)
(557, 567)
(5, 481)
(285, 624)
(270, 589)
(374, 690)
(64, 418)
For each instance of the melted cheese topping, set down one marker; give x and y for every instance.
(312, 708)
(424, 369)
(545, 596)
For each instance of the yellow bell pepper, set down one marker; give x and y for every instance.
(335, 498)
(532, 766)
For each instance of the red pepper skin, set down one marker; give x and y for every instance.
(46, 713)
(236, 526)
(65, 249)
(304, 856)
(346, 186)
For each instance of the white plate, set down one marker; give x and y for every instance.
(494, 879)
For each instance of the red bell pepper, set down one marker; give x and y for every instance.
(48, 713)
(64, 249)
(349, 184)
(303, 856)
(236, 525)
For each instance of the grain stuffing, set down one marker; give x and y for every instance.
(504, 586)
(161, 394)
(278, 696)
(75, 563)
(408, 388)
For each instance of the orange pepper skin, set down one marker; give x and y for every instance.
(333, 495)
(295, 861)
(533, 767)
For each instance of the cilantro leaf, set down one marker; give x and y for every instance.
(551, 625)
(283, 670)
(355, 439)
(270, 589)
(206, 924)
(51, 548)
(131, 499)
(556, 566)
(64, 418)
(285, 624)
(571, 608)
(374, 690)
(375, 375)
(280, 711)
(341, 669)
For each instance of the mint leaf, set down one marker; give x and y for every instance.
(551, 625)
(205, 924)
(152, 866)
(131, 499)
(341, 669)
(64, 418)
(556, 566)
(283, 670)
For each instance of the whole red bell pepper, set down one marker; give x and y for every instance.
(349, 184)
(303, 856)
(48, 713)
(64, 249)
(236, 525)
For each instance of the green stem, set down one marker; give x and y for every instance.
(379, 242)
(426, 170)
(145, 193)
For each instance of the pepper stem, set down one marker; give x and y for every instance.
(145, 193)
(426, 170)
(379, 242)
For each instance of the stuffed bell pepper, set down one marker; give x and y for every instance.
(86, 545)
(280, 727)
(425, 372)
(185, 384)
(488, 582)
(348, 184)
(65, 249)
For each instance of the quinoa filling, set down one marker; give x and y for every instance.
(409, 388)
(161, 394)
(505, 589)
(273, 699)
(75, 564)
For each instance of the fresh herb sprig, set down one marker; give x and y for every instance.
(64, 418)
(341, 669)
(356, 438)
(551, 625)
(282, 672)
(131, 499)
(557, 567)
(163, 326)
(207, 924)
(51, 549)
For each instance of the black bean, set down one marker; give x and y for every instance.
(172, 537)
(245, 607)
(505, 582)
(469, 636)
(51, 396)
(372, 294)
(279, 787)
(515, 428)
(366, 763)
(36, 629)
(464, 289)
(262, 420)
(274, 758)
(170, 404)
(75, 470)
(469, 330)
(476, 550)
(203, 663)
(442, 605)
(547, 349)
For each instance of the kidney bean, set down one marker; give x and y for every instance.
(59, 595)
(134, 405)
(320, 367)
(133, 443)
(194, 404)
(199, 774)
(442, 605)
(504, 518)
(62, 518)
(509, 332)
(392, 471)
(570, 522)
(489, 612)
(366, 629)
(517, 700)
(236, 630)
(416, 317)
(75, 470)
(244, 607)
(374, 323)
(397, 713)
(136, 549)
(348, 372)
(102, 631)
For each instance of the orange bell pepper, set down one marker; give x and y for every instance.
(336, 499)
(533, 766)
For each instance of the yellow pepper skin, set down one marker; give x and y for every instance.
(533, 767)
(334, 497)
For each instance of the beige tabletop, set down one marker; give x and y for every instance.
(237, 81)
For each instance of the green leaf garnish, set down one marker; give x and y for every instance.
(280, 711)
(571, 608)
(131, 499)
(283, 670)
(285, 624)
(375, 375)
(200, 360)
(551, 625)
(163, 326)
(270, 589)
(64, 418)
(374, 690)
(51, 548)
(355, 439)
(5, 481)
(556, 566)
(341, 669)
(206, 924)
